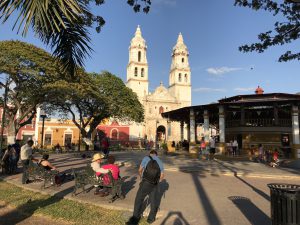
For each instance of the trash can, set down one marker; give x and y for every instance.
(285, 204)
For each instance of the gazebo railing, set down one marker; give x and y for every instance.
(259, 122)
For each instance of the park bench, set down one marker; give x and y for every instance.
(37, 172)
(86, 176)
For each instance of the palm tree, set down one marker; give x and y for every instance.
(61, 24)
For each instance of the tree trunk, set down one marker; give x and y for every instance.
(11, 132)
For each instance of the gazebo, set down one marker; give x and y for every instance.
(269, 119)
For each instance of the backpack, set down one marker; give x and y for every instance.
(152, 172)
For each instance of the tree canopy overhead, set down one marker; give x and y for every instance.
(283, 32)
(61, 24)
(28, 69)
(93, 98)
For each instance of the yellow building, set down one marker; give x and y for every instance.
(56, 131)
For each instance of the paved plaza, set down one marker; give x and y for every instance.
(194, 191)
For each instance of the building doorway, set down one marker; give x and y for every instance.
(161, 133)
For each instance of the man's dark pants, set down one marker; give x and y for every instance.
(25, 164)
(145, 189)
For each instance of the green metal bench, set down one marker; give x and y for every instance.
(86, 176)
(37, 172)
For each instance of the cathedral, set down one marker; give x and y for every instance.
(163, 99)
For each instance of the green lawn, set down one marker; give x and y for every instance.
(29, 203)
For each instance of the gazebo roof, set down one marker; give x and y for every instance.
(183, 114)
(270, 97)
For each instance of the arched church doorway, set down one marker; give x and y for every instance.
(161, 133)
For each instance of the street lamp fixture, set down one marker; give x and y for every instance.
(43, 116)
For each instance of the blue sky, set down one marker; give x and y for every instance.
(212, 31)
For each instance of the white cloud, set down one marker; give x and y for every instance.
(164, 2)
(205, 89)
(222, 70)
(239, 89)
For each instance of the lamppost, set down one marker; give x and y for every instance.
(156, 122)
(3, 114)
(43, 116)
(79, 135)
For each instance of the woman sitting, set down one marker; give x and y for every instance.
(45, 163)
(115, 171)
(58, 177)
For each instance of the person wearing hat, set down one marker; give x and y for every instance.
(96, 166)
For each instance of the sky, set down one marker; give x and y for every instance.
(212, 30)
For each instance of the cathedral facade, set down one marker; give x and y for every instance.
(163, 99)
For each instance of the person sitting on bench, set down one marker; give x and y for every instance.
(115, 171)
(96, 166)
(45, 163)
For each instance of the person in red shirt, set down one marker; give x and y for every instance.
(275, 160)
(114, 169)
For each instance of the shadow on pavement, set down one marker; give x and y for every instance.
(258, 191)
(128, 185)
(211, 214)
(180, 220)
(253, 214)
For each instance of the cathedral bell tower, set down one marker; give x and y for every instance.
(180, 73)
(137, 68)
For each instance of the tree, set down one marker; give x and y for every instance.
(283, 32)
(28, 69)
(93, 98)
(61, 24)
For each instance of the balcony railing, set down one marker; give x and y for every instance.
(259, 123)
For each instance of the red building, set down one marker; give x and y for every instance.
(114, 131)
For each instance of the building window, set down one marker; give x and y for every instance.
(48, 139)
(139, 56)
(182, 60)
(161, 110)
(185, 78)
(135, 71)
(142, 72)
(179, 77)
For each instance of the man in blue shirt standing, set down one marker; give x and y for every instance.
(151, 172)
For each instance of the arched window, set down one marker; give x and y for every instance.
(185, 78)
(114, 134)
(182, 60)
(179, 77)
(142, 72)
(139, 56)
(135, 71)
(161, 110)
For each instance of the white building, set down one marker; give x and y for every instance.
(163, 99)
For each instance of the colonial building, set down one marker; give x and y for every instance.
(163, 99)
